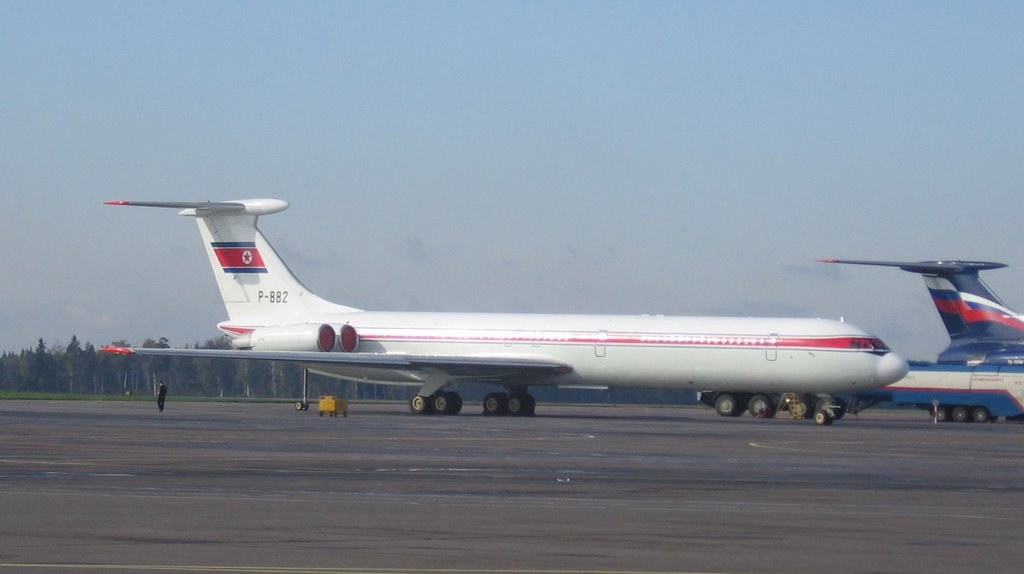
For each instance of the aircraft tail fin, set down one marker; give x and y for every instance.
(256, 285)
(968, 307)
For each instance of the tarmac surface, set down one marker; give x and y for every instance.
(261, 488)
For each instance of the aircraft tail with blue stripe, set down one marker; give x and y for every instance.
(982, 329)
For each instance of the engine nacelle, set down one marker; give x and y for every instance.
(348, 339)
(299, 337)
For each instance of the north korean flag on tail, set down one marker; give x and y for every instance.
(239, 257)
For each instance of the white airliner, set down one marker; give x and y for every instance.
(272, 316)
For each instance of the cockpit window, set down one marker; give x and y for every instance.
(869, 344)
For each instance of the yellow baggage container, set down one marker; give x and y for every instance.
(331, 405)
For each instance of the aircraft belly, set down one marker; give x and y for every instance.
(368, 374)
(736, 370)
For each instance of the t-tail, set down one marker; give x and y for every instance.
(982, 329)
(257, 287)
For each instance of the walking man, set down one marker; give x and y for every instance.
(161, 394)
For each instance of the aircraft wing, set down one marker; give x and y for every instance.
(468, 367)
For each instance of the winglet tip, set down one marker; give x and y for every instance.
(116, 350)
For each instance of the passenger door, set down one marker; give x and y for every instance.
(771, 349)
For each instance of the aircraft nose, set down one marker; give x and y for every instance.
(891, 368)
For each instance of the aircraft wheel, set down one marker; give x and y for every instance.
(823, 418)
(941, 414)
(521, 404)
(299, 406)
(760, 406)
(495, 404)
(449, 403)
(455, 403)
(960, 414)
(418, 404)
(441, 402)
(515, 405)
(725, 405)
(531, 405)
(980, 415)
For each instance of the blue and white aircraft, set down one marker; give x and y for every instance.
(980, 375)
(745, 362)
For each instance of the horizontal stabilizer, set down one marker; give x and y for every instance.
(927, 267)
(208, 208)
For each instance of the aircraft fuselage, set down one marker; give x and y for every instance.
(698, 353)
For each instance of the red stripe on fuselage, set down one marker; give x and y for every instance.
(413, 335)
(646, 339)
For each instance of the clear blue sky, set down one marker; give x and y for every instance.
(621, 157)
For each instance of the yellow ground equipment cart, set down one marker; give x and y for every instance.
(332, 405)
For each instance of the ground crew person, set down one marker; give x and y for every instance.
(161, 394)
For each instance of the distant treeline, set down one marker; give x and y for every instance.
(82, 370)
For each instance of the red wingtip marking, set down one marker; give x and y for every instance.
(828, 261)
(117, 202)
(117, 350)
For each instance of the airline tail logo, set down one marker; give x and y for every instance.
(974, 310)
(239, 257)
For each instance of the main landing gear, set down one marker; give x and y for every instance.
(823, 410)
(439, 403)
(961, 414)
(829, 409)
(515, 403)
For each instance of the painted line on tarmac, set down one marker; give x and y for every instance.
(301, 570)
(44, 462)
(764, 446)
